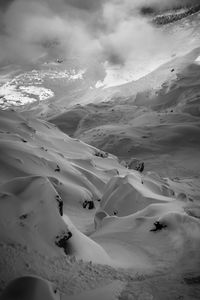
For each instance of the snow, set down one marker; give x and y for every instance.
(41, 289)
(29, 87)
(12, 95)
(41, 92)
(108, 292)
(198, 60)
(118, 75)
(141, 239)
(87, 254)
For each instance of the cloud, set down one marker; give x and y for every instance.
(89, 5)
(5, 3)
(92, 30)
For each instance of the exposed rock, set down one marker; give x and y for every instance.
(60, 204)
(57, 169)
(174, 17)
(158, 226)
(101, 154)
(61, 241)
(140, 167)
(24, 141)
(136, 164)
(88, 204)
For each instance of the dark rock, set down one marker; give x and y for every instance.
(158, 226)
(62, 241)
(60, 204)
(140, 167)
(89, 204)
(23, 217)
(59, 61)
(101, 154)
(44, 149)
(57, 169)
(173, 17)
(135, 164)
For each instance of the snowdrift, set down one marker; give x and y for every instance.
(45, 176)
(160, 236)
(129, 194)
(71, 206)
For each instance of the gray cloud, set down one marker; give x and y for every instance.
(90, 5)
(109, 30)
(4, 4)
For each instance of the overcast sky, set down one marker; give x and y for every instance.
(104, 30)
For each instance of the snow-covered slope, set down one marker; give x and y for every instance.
(45, 174)
(62, 200)
(152, 227)
(155, 119)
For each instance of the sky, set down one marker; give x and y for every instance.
(92, 30)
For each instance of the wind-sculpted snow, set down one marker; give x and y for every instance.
(77, 222)
(156, 225)
(31, 205)
(129, 194)
(66, 206)
(42, 169)
(30, 287)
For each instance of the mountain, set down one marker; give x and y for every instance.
(99, 182)
(157, 125)
(62, 201)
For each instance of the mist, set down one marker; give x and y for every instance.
(105, 31)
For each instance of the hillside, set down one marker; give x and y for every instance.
(159, 125)
(73, 209)
(99, 150)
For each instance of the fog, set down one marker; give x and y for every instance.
(101, 30)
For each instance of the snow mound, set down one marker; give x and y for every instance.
(30, 287)
(31, 203)
(45, 177)
(142, 223)
(126, 195)
(66, 206)
(158, 237)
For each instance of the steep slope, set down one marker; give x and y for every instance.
(45, 174)
(144, 223)
(66, 206)
(158, 125)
